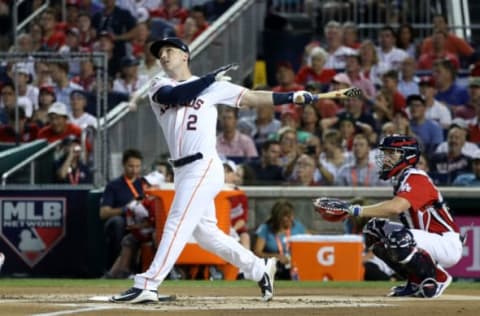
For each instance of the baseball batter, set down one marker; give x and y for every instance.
(185, 107)
(428, 239)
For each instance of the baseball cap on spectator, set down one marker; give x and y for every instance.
(154, 178)
(345, 116)
(474, 81)
(230, 164)
(73, 31)
(170, 41)
(142, 15)
(128, 61)
(106, 34)
(21, 68)
(460, 123)
(427, 81)
(46, 88)
(289, 112)
(73, 2)
(415, 97)
(58, 108)
(402, 112)
(78, 92)
(342, 78)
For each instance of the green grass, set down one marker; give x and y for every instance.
(102, 283)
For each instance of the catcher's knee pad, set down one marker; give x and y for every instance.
(400, 245)
(421, 266)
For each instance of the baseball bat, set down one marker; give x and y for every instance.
(339, 94)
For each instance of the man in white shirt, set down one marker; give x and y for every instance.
(336, 50)
(387, 52)
(436, 110)
(78, 101)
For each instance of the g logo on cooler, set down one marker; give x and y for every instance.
(326, 256)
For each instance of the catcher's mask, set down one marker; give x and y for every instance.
(406, 145)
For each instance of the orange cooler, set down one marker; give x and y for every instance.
(192, 254)
(328, 257)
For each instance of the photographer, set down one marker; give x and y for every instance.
(70, 168)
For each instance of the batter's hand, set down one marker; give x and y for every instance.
(302, 98)
(219, 73)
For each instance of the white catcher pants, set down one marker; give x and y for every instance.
(446, 249)
(193, 213)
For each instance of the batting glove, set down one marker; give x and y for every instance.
(219, 73)
(138, 209)
(302, 98)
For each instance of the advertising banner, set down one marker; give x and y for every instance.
(469, 265)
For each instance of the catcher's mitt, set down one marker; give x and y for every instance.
(331, 209)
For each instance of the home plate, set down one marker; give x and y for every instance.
(161, 298)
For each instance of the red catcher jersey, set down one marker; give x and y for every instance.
(428, 212)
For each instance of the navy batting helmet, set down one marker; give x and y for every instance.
(406, 145)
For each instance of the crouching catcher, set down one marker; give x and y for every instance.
(426, 241)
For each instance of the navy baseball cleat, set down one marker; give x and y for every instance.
(135, 296)
(266, 283)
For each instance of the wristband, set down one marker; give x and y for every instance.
(282, 98)
(356, 210)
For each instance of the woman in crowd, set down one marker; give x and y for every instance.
(272, 236)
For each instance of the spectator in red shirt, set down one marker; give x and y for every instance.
(138, 42)
(285, 76)
(454, 44)
(390, 86)
(87, 78)
(87, 32)
(314, 71)
(171, 11)
(59, 126)
(350, 35)
(187, 30)
(46, 98)
(198, 14)
(474, 123)
(27, 131)
(438, 51)
(239, 206)
(52, 37)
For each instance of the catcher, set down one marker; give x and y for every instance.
(426, 241)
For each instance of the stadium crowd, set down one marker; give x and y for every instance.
(410, 85)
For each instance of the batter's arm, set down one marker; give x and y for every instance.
(252, 98)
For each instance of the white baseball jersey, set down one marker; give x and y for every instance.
(190, 129)
(198, 119)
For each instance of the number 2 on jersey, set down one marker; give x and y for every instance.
(192, 122)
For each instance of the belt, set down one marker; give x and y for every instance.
(186, 160)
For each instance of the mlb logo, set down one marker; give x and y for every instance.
(32, 226)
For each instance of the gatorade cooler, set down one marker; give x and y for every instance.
(192, 254)
(328, 257)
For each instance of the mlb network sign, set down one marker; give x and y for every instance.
(32, 226)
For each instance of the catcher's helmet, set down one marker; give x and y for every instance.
(409, 148)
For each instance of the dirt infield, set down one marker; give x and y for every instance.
(244, 300)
